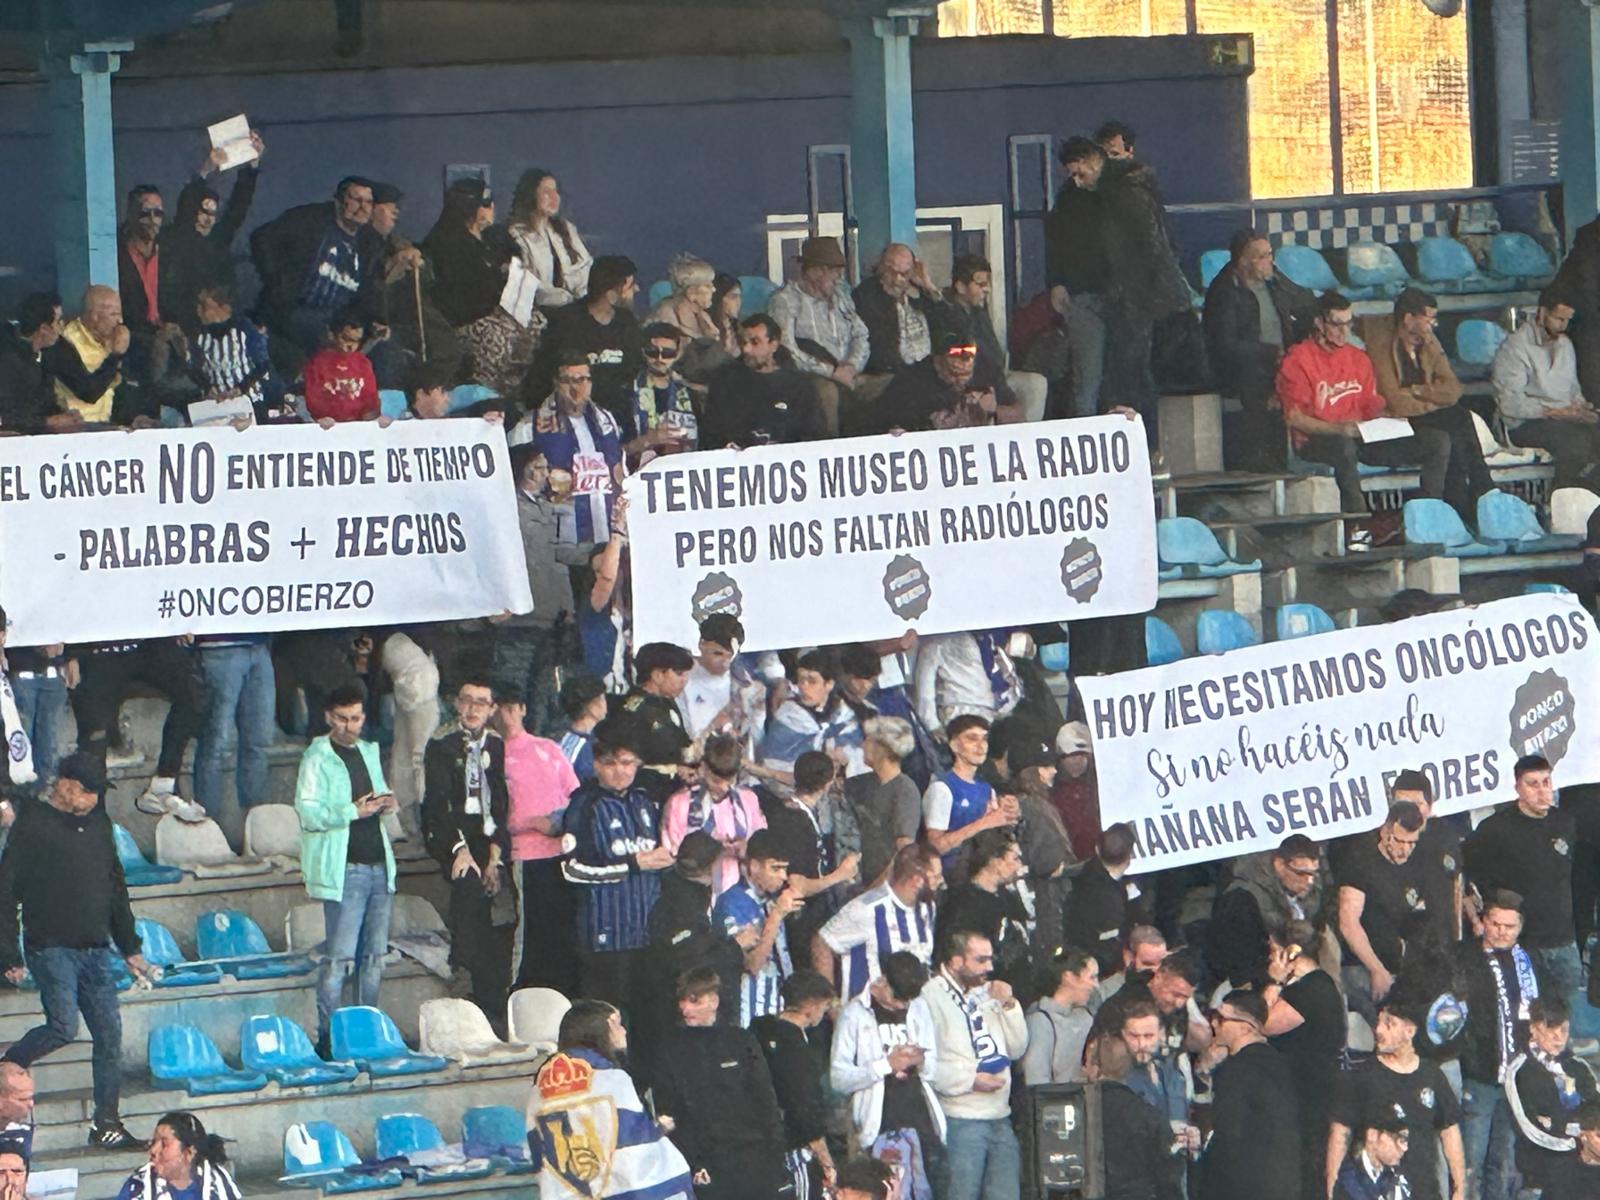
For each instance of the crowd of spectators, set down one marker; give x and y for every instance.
(839, 899)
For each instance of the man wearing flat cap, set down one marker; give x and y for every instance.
(61, 869)
(821, 328)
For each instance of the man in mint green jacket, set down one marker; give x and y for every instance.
(341, 798)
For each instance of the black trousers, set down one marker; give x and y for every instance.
(1426, 448)
(549, 958)
(159, 664)
(479, 947)
(1574, 445)
(1468, 475)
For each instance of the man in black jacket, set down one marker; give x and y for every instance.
(197, 247)
(683, 939)
(464, 808)
(316, 260)
(967, 313)
(714, 1086)
(1253, 313)
(61, 868)
(797, 1071)
(1545, 1088)
(899, 303)
(761, 399)
(1097, 916)
(1255, 1142)
(27, 397)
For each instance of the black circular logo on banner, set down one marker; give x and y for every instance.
(1543, 717)
(1082, 569)
(906, 587)
(717, 593)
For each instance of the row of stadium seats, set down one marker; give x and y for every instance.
(275, 1048)
(317, 1154)
(1373, 271)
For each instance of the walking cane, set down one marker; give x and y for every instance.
(422, 329)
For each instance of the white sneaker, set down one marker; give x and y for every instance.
(159, 803)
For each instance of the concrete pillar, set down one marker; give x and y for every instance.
(883, 166)
(1578, 38)
(84, 196)
(1513, 90)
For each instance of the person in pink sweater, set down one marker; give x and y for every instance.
(717, 805)
(1326, 388)
(539, 779)
(339, 383)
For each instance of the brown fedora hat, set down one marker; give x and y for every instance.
(821, 252)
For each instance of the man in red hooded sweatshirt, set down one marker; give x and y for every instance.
(1326, 389)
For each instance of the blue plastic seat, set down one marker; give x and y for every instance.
(659, 291)
(1373, 269)
(1433, 522)
(231, 939)
(392, 402)
(160, 949)
(1518, 256)
(184, 1054)
(1221, 629)
(1306, 267)
(1444, 264)
(1188, 543)
(1211, 264)
(498, 1133)
(754, 292)
(317, 1155)
(280, 1049)
(1503, 517)
(1553, 589)
(1161, 644)
(136, 868)
(1477, 341)
(368, 1038)
(402, 1135)
(1302, 620)
(1056, 656)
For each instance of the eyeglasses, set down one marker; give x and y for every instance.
(661, 352)
(152, 212)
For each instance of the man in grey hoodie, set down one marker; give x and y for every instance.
(1268, 891)
(1059, 1021)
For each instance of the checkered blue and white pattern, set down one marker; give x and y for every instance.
(1336, 228)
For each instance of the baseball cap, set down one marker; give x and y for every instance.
(697, 852)
(1028, 751)
(1387, 1118)
(1073, 738)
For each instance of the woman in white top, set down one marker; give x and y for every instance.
(548, 243)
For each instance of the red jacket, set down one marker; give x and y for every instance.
(340, 384)
(1330, 385)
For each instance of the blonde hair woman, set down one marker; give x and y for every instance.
(689, 307)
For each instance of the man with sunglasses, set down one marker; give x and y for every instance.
(660, 415)
(139, 259)
(1255, 1141)
(1326, 389)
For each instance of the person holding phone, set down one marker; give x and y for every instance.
(340, 797)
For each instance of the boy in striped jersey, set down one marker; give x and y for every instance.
(615, 863)
(753, 913)
(898, 915)
(958, 805)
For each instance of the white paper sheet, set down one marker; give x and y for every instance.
(233, 138)
(517, 297)
(220, 412)
(1384, 429)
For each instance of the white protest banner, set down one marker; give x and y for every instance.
(863, 538)
(165, 532)
(1222, 755)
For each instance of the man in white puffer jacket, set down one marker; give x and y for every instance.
(884, 1059)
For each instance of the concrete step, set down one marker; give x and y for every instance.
(101, 1180)
(219, 1010)
(266, 898)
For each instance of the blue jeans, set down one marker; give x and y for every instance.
(357, 930)
(1488, 1141)
(985, 1162)
(41, 703)
(1563, 966)
(243, 704)
(1086, 335)
(70, 982)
